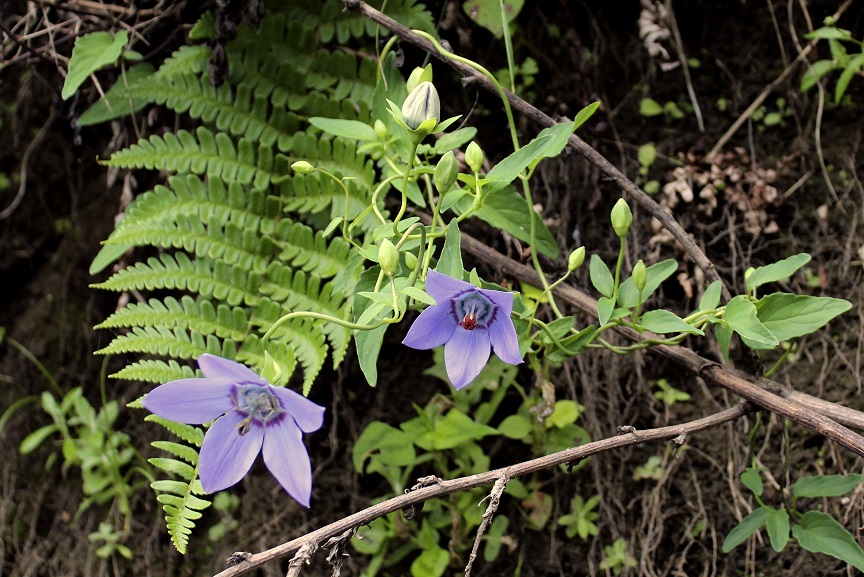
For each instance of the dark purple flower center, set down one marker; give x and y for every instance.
(473, 310)
(257, 403)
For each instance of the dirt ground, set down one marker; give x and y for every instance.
(780, 199)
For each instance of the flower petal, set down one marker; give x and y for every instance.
(465, 355)
(441, 287)
(505, 343)
(432, 328)
(308, 416)
(503, 299)
(287, 459)
(191, 401)
(215, 367)
(226, 455)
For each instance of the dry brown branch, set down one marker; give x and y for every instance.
(247, 562)
(579, 145)
(806, 411)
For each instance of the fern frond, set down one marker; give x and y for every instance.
(163, 341)
(309, 250)
(185, 60)
(204, 153)
(314, 193)
(154, 371)
(179, 501)
(208, 277)
(200, 316)
(190, 196)
(236, 245)
(184, 452)
(239, 112)
(294, 290)
(191, 434)
(304, 336)
(336, 22)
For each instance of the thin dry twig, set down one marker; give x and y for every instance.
(770, 395)
(494, 500)
(248, 562)
(303, 557)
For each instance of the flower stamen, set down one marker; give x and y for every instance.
(470, 320)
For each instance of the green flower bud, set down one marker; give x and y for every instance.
(640, 275)
(622, 218)
(576, 258)
(446, 172)
(380, 129)
(388, 257)
(411, 260)
(303, 167)
(419, 75)
(474, 156)
(421, 105)
(272, 371)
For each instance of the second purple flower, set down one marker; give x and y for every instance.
(470, 322)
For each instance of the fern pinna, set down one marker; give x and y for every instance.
(240, 240)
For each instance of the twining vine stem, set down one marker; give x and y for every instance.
(794, 410)
(573, 455)
(579, 145)
(812, 413)
(794, 406)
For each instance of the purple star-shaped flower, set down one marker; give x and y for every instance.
(250, 415)
(469, 322)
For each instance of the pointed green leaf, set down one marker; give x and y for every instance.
(368, 347)
(752, 480)
(601, 276)
(748, 525)
(584, 114)
(826, 485)
(788, 316)
(628, 294)
(511, 167)
(456, 428)
(820, 533)
(450, 262)
(711, 297)
(777, 524)
(605, 306)
(505, 208)
(776, 271)
(91, 52)
(664, 322)
(741, 316)
(353, 129)
(723, 334)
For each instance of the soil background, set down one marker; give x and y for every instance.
(776, 201)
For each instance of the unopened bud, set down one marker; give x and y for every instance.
(419, 75)
(622, 218)
(474, 156)
(380, 129)
(576, 258)
(303, 167)
(272, 371)
(640, 275)
(421, 105)
(446, 172)
(388, 257)
(411, 260)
